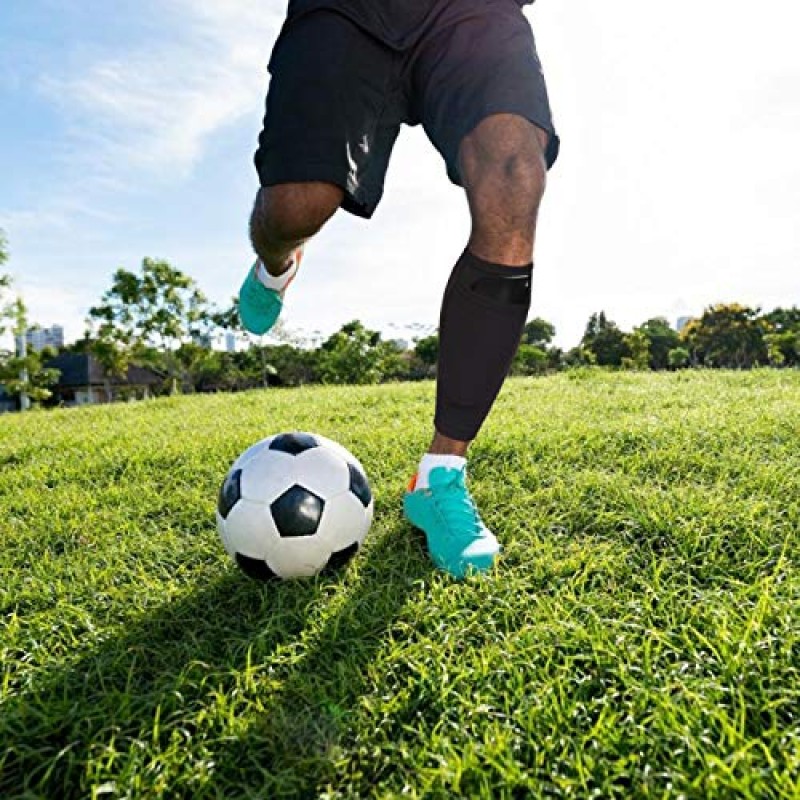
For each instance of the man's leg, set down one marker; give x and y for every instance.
(484, 105)
(284, 217)
(327, 138)
(504, 172)
(484, 310)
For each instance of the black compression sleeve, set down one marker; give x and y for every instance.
(483, 315)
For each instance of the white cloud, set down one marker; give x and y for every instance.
(150, 112)
(56, 214)
(50, 303)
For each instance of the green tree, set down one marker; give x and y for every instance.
(638, 345)
(538, 332)
(662, 338)
(727, 335)
(529, 360)
(244, 370)
(353, 354)
(678, 357)
(555, 358)
(427, 349)
(783, 349)
(395, 361)
(225, 372)
(282, 364)
(782, 320)
(194, 363)
(227, 319)
(579, 357)
(144, 318)
(605, 341)
(424, 357)
(783, 337)
(22, 371)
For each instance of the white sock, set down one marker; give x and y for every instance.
(430, 460)
(276, 282)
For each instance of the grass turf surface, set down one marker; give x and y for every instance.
(640, 638)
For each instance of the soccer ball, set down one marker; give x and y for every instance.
(292, 505)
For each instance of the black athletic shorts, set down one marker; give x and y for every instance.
(338, 96)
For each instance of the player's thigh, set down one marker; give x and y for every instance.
(329, 117)
(293, 211)
(474, 78)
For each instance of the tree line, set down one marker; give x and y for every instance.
(158, 318)
(726, 335)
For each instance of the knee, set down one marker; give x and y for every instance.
(502, 163)
(293, 212)
(519, 179)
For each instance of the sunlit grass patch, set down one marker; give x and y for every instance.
(640, 637)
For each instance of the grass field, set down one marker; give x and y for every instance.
(640, 638)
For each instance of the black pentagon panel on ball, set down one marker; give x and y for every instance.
(230, 493)
(256, 568)
(297, 512)
(359, 485)
(338, 560)
(293, 443)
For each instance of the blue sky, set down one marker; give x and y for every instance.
(129, 132)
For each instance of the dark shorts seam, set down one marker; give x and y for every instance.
(302, 172)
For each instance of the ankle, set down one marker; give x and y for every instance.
(275, 267)
(445, 446)
(281, 281)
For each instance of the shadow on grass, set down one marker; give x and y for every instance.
(102, 718)
(290, 749)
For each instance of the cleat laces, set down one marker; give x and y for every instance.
(456, 507)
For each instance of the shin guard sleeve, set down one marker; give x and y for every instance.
(483, 315)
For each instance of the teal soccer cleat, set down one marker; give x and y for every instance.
(458, 541)
(260, 307)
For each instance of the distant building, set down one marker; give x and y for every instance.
(36, 339)
(227, 341)
(202, 340)
(84, 381)
(682, 323)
